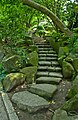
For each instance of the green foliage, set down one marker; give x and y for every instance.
(3, 72)
(73, 43)
(12, 20)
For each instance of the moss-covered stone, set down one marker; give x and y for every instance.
(32, 48)
(74, 89)
(54, 44)
(68, 70)
(33, 58)
(29, 73)
(63, 51)
(71, 104)
(11, 63)
(60, 115)
(75, 63)
(12, 80)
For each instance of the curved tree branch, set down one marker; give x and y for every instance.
(47, 12)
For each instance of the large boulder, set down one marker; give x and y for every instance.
(74, 89)
(68, 70)
(75, 64)
(71, 104)
(12, 80)
(29, 72)
(29, 102)
(33, 58)
(11, 63)
(60, 115)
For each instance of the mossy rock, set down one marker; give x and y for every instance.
(33, 58)
(11, 62)
(63, 51)
(71, 104)
(75, 64)
(74, 89)
(12, 80)
(29, 72)
(60, 115)
(68, 70)
(54, 44)
(33, 48)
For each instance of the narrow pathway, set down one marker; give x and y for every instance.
(39, 95)
(41, 98)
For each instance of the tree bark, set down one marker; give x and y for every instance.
(50, 14)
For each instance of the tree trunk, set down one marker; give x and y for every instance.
(50, 14)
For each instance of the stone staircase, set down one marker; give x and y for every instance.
(47, 78)
(49, 70)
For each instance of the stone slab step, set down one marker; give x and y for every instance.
(55, 63)
(54, 74)
(43, 74)
(47, 55)
(45, 49)
(42, 43)
(48, 63)
(43, 90)
(44, 46)
(46, 52)
(46, 68)
(49, 74)
(29, 102)
(55, 69)
(48, 80)
(47, 58)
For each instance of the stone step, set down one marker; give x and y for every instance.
(46, 52)
(43, 90)
(48, 63)
(45, 49)
(55, 63)
(55, 69)
(54, 74)
(42, 43)
(42, 74)
(47, 58)
(49, 74)
(47, 68)
(48, 80)
(44, 46)
(29, 102)
(47, 55)
(45, 63)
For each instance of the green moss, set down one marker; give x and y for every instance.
(33, 58)
(29, 73)
(74, 89)
(68, 70)
(75, 64)
(71, 104)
